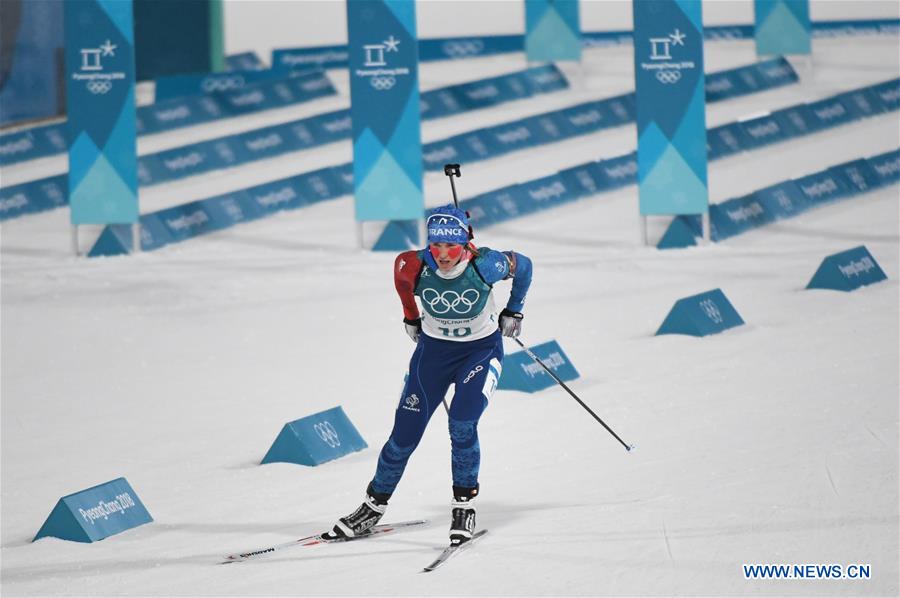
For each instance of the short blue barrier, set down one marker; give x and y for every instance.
(316, 439)
(288, 89)
(495, 206)
(786, 199)
(170, 87)
(456, 48)
(701, 315)
(489, 142)
(245, 61)
(847, 270)
(268, 142)
(520, 372)
(568, 185)
(96, 513)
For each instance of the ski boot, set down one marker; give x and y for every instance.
(362, 519)
(462, 525)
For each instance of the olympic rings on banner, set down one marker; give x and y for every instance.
(668, 77)
(99, 87)
(383, 83)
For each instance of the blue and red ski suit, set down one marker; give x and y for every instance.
(460, 344)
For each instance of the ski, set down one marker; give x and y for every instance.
(318, 539)
(451, 551)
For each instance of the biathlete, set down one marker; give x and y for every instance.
(459, 340)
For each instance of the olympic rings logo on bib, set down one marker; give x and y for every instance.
(441, 303)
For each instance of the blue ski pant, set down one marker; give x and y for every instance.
(474, 368)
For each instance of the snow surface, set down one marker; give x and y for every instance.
(775, 442)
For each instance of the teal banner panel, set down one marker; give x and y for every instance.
(671, 107)
(782, 27)
(174, 36)
(102, 134)
(96, 513)
(384, 108)
(552, 30)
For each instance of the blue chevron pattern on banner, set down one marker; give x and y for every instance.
(552, 30)
(384, 92)
(102, 136)
(671, 109)
(782, 27)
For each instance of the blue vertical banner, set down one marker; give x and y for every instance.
(384, 108)
(552, 30)
(782, 27)
(671, 106)
(101, 111)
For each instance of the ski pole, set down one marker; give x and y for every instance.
(452, 170)
(628, 447)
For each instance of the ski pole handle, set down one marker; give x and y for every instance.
(628, 447)
(452, 170)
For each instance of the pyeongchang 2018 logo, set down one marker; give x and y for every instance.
(376, 67)
(92, 71)
(668, 69)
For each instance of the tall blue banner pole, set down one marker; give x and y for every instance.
(384, 95)
(552, 30)
(101, 112)
(671, 108)
(782, 27)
